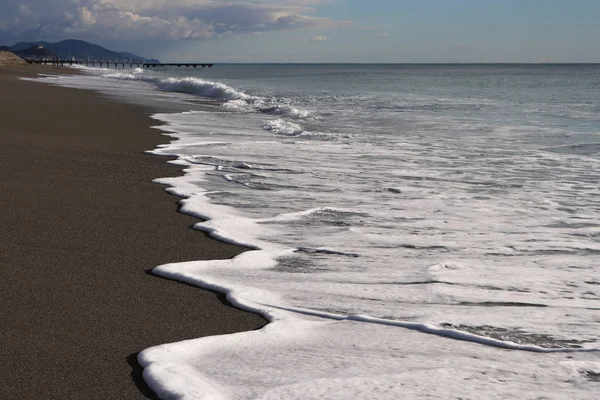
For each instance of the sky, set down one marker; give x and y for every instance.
(378, 31)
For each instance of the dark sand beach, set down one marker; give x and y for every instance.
(81, 226)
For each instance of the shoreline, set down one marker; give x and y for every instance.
(84, 226)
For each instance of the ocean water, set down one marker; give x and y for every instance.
(414, 230)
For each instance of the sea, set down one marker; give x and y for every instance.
(413, 231)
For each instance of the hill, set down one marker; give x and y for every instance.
(35, 52)
(25, 45)
(80, 49)
(8, 59)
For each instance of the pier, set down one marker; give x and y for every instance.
(117, 64)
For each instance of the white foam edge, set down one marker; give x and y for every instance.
(170, 378)
(196, 203)
(167, 369)
(262, 259)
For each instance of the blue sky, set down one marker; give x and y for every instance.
(318, 30)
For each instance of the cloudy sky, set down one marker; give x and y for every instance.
(318, 30)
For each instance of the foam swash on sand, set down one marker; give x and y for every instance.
(414, 231)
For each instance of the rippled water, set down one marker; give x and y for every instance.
(471, 189)
(466, 198)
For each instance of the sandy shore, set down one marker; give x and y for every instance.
(82, 225)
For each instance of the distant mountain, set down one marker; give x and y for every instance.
(4, 48)
(81, 50)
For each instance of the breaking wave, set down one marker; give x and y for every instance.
(186, 85)
(283, 127)
(235, 100)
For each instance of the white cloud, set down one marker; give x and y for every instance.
(140, 19)
(318, 38)
(383, 34)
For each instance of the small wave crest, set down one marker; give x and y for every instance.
(186, 85)
(283, 127)
(273, 106)
(200, 87)
(234, 99)
(286, 111)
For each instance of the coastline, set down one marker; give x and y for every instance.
(83, 224)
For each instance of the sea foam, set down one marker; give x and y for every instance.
(484, 251)
(187, 85)
(368, 345)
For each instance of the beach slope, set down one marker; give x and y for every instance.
(8, 59)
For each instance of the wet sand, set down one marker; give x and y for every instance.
(81, 226)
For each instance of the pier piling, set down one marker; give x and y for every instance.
(62, 63)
